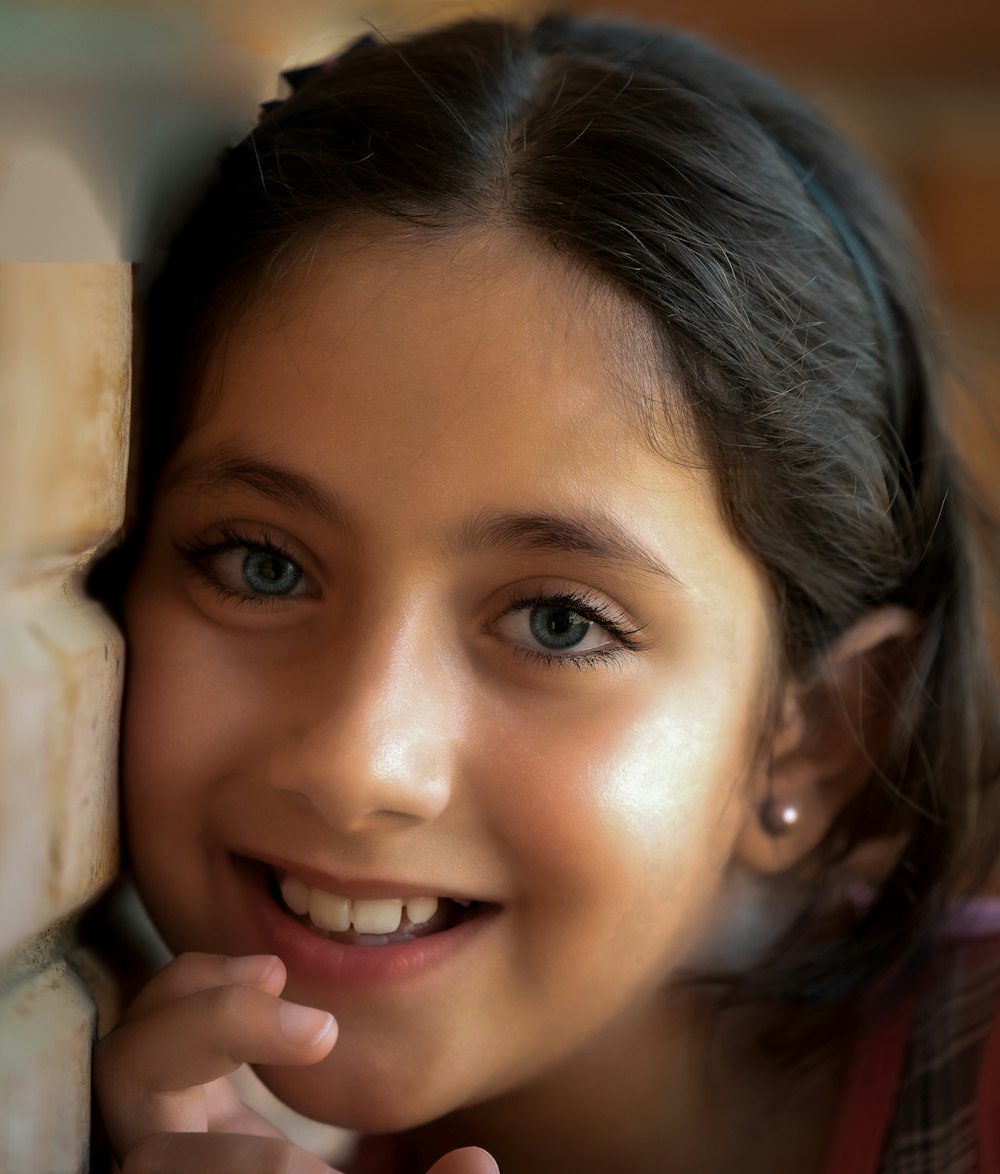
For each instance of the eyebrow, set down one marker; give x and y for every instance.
(596, 535)
(591, 533)
(224, 471)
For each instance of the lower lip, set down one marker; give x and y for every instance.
(308, 954)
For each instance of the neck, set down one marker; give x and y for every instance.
(677, 1088)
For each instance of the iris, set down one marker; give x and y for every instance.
(268, 573)
(554, 626)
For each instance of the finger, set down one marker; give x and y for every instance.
(209, 1034)
(192, 972)
(149, 1074)
(471, 1160)
(215, 1153)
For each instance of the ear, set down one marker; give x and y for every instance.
(833, 728)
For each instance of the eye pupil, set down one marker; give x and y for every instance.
(558, 627)
(560, 622)
(268, 573)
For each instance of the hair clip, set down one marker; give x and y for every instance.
(296, 78)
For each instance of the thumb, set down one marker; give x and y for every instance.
(471, 1160)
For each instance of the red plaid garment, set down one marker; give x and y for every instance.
(923, 1095)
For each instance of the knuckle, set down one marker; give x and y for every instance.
(230, 1001)
(183, 975)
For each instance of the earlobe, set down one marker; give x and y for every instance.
(833, 728)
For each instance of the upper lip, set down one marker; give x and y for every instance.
(358, 888)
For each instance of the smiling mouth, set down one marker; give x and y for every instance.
(381, 922)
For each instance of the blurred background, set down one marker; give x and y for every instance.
(109, 114)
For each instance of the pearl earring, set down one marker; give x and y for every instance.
(778, 817)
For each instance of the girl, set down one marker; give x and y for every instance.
(558, 711)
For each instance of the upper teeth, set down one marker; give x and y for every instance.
(330, 912)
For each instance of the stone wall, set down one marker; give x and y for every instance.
(65, 334)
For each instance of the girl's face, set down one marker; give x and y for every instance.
(421, 615)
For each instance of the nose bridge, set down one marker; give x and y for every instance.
(375, 748)
(401, 684)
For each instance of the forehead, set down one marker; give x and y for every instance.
(477, 372)
(464, 314)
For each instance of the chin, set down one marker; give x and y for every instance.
(378, 1103)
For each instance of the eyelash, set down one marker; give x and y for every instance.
(198, 555)
(588, 608)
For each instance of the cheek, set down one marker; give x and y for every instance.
(167, 723)
(619, 821)
(189, 728)
(628, 811)
(183, 716)
(192, 696)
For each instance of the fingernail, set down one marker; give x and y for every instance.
(304, 1025)
(250, 968)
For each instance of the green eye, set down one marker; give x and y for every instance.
(557, 627)
(266, 572)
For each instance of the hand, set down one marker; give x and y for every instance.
(161, 1075)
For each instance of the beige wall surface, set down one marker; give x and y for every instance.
(64, 409)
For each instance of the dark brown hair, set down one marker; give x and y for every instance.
(675, 176)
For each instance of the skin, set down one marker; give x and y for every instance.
(390, 720)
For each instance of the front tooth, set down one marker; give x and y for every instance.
(421, 909)
(295, 894)
(328, 911)
(377, 916)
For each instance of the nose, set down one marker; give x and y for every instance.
(371, 746)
